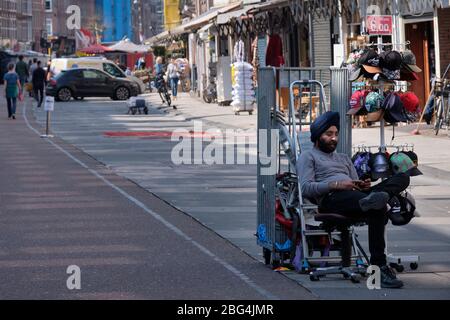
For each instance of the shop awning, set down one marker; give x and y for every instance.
(269, 5)
(224, 18)
(205, 28)
(157, 38)
(208, 16)
(165, 35)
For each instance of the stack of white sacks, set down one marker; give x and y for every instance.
(243, 91)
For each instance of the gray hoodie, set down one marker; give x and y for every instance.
(316, 169)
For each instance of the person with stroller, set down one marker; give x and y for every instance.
(330, 179)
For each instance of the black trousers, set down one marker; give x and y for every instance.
(347, 203)
(38, 94)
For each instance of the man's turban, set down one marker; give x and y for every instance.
(323, 123)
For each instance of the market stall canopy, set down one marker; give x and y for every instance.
(95, 48)
(226, 17)
(129, 47)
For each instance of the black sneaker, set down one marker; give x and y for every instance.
(389, 279)
(374, 201)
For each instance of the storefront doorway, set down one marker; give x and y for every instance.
(421, 36)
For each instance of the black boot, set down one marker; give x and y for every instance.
(389, 279)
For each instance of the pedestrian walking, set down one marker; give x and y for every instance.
(174, 76)
(32, 68)
(39, 81)
(22, 71)
(12, 88)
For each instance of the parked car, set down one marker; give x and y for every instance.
(87, 82)
(100, 63)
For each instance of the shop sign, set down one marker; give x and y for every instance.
(379, 25)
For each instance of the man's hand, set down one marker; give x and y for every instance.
(366, 184)
(362, 185)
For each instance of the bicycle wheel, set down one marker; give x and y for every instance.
(439, 115)
(207, 98)
(168, 99)
(446, 108)
(161, 95)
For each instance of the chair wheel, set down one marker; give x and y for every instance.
(414, 265)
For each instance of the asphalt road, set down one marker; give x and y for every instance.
(59, 207)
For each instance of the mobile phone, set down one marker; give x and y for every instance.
(358, 182)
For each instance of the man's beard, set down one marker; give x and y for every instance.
(327, 147)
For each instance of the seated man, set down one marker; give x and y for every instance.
(331, 179)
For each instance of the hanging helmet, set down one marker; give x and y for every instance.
(403, 207)
(379, 166)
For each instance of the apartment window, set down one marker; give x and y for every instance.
(48, 5)
(49, 26)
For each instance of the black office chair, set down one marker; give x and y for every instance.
(334, 224)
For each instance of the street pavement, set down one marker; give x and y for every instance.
(223, 197)
(60, 207)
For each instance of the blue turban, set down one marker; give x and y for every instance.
(323, 123)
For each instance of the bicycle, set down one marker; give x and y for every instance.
(161, 86)
(442, 113)
(210, 91)
(442, 103)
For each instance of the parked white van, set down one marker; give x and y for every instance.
(60, 64)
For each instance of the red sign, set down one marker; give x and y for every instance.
(379, 25)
